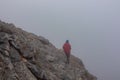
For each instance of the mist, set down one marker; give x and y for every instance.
(91, 26)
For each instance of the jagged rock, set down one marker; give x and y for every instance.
(50, 58)
(26, 56)
(23, 72)
(43, 40)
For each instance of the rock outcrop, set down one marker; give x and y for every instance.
(26, 56)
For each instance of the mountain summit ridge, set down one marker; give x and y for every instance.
(26, 56)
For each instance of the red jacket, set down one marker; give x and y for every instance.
(67, 48)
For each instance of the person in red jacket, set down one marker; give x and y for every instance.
(67, 50)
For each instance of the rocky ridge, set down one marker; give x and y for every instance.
(26, 56)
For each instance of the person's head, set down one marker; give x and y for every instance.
(67, 41)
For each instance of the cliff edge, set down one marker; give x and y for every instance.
(26, 56)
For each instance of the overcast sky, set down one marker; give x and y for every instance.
(92, 26)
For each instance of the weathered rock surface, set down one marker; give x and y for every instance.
(26, 56)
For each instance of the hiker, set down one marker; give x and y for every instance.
(67, 50)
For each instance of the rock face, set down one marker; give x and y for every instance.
(25, 56)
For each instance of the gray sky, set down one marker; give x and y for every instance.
(92, 26)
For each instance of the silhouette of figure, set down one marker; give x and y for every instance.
(67, 50)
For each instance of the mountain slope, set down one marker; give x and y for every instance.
(26, 56)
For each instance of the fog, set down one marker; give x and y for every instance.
(91, 26)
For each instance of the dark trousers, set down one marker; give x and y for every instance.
(68, 58)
